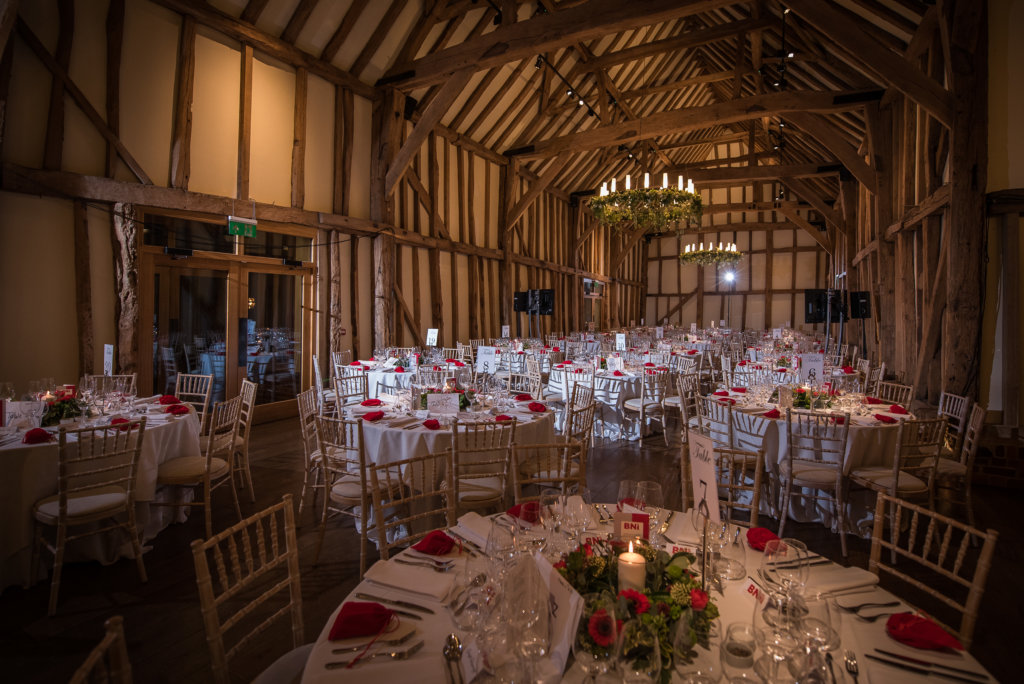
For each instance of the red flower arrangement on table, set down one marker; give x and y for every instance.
(672, 598)
(63, 405)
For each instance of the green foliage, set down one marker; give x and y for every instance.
(705, 257)
(651, 209)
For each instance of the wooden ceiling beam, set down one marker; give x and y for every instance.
(542, 33)
(892, 68)
(826, 134)
(431, 117)
(738, 207)
(340, 34)
(266, 43)
(802, 223)
(809, 195)
(253, 10)
(8, 13)
(537, 187)
(696, 118)
(298, 20)
(747, 174)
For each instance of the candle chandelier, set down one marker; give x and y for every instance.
(649, 208)
(706, 255)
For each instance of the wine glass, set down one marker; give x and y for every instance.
(594, 646)
(724, 552)
(501, 546)
(649, 498)
(772, 622)
(7, 391)
(528, 613)
(552, 504)
(784, 564)
(812, 622)
(627, 490)
(639, 656)
(578, 512)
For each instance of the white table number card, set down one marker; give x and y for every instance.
(693, 328)
(505, 332)
(486, 359)
(431, 337)
(777, 333)
(439, 404)
(108, 359)
(812, 369)
(702, 476)
(620, 341)
(659, 332)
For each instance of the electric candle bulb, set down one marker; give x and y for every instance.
(613, 185)
(647, 180)
(689, 186)
(680, 182)
(628, 183)
(664, 180)
(702, 246)
(719, 246)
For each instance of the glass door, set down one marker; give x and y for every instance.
(275, 330)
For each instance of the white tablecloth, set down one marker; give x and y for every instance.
(30, 473)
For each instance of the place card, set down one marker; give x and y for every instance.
(441, 404)
(628, 525)
(24, 414)
(486, 359)
(702, 476)
(754, 592)
(674, 548)
(432, 337)
(564, 608)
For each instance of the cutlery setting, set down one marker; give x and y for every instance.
(395, 602)
(393, 654)
(398, 641)
(422, 564)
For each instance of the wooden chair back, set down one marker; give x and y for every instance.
(195, 390)
(715, 420)
(341, 358)
(895, 393)
(954, 408)
(816, 438)
(939, 548)
(535, 467)
(481, 458)
(108, 662)
(411, 493)
(919, 444)
(349, 390)
(248, 579)
(579, 423)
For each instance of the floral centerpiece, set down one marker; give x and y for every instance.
(64, 405)
(672, 598)
(782, 362)
(804, 398)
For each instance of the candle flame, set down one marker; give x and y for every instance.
(631, 547)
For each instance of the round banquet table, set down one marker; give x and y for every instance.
(870, 443)
(30, 473)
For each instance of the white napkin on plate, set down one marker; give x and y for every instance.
(832, 578)
(475, 528)
(412, 578)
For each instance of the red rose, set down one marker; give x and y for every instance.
(698, 599)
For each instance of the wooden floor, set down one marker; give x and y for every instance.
(164, 628)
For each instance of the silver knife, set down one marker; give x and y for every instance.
(395, 655)
(388, 642)
(466, 541)
(395, 602)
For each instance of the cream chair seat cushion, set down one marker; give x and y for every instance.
(85, 504)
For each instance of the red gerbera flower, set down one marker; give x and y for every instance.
(601, 628)
(640, 602)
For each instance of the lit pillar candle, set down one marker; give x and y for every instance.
(632, 570)
(604, 189)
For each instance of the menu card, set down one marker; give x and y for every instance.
(565, 606)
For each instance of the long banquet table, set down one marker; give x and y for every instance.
(736, 604)
(30, 473)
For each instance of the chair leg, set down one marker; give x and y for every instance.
(305, 486)
(137, 545)
(784, 507)
(248, 475)
(840, 503)
(58, 564)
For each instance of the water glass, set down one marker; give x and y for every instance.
(639, 658)
(737, 649)
(650, 499)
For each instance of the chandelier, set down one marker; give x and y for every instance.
(651, 209)
(723, 254)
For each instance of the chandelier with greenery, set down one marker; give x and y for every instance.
(651, 209)
(705, 256)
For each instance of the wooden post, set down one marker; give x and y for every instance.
(961, 324)
(299, 140)
(126, 286)
(54, 145)
(83, 289)
(181, 141)
(244, 123)
(387, 129)
(115, 41)
(1010, 303)
(506, 179)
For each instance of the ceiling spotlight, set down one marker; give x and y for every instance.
(791, 54)
(539, 63)
(729, 276)
(782, 124)
(785, 11)
(569, 92)
(777, 84)
(581, 103)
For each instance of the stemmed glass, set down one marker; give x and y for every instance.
(737, 649)
(594, 645)
(552, 504)
(772, 623)
(7, 391)
(649, 498)
(528, 613)
(501, 546)
(627, 493)
(784, 564)
(577, 512)
(721, 548)
(639, 656)
(811, 624)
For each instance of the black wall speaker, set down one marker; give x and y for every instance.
(860, 305)
(837, 306)
(547, 302)
(814, 306)
(521, 301)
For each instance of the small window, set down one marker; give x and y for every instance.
(278, 246)
(183, 233)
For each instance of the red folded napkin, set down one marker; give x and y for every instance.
(617, 373)
(524, 397)
(919, 632)
(436, 543)
(168, 399)
(757, 537)
(741, 390)
(649, 365)
(848, 369)
(537, 407)
(360, 618)
(527, 512)
(722, 393)
(450, 360)
(371, 402)
(559, 365)
(355, 363)
(882, 418)
(691, 351)
(431, 424)
(459, 364)
(373, 415)
(36, 436)
(727, 400)
(555, 349)
(578, 370)
(838, 420)
(896, 408)
(177, 409)
(774, 413)
(742, 363)
(502, 418)
(399, 369)
(438, 368)
(522, 352)
(781, 370)
(123, 422)
(872, 400)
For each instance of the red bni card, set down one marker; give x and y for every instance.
(632, 525)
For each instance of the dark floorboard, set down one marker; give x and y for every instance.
(164, 627)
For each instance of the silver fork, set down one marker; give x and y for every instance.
(854, 609)
(851, 664)
(394, 655)
(872, 618)
(435, 568)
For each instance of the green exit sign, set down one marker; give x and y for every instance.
(241, 226)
